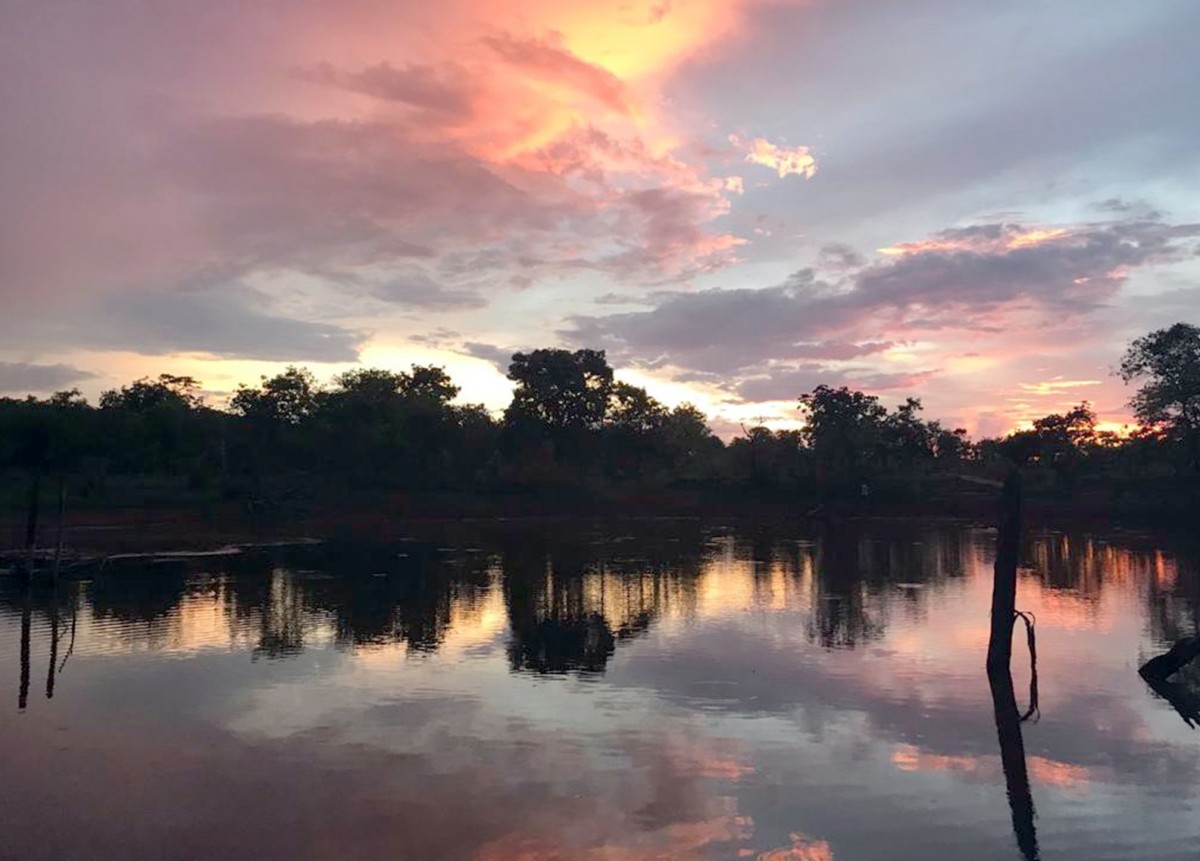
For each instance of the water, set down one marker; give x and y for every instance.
(656, 690)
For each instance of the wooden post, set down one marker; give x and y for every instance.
(1004, 579)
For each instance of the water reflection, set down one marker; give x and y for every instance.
(1012, 744)
(570, 600)
(26, 630)
(665, 689)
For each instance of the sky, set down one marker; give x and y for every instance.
(978, 204)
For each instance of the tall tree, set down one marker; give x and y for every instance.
(559, 389)
(1167, 362)
(157, 425)
(843, 429)
(145, 394)
(288, 398)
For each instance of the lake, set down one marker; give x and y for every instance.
(653, 689)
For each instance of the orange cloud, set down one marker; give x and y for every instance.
(802, 849)
(1009, 238)
(1062, 774)
(786, 162)
(1050, 772)
(908, 757)
(1053, 387)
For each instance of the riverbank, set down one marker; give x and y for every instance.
(387, 517)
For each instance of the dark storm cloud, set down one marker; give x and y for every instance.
(25, 377)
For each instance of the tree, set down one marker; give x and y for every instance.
(632, 426)
(952, 446)
(766, 458)
(688, 440)
(146, 394)
(387, 426)
(1058, 440)
(157, 425)
(631, 409)
(1168, 361)
(1067, 434)
(843, 429)
(288, 398)
(906, 439)
(560, 390)
(428, 387)
(42, 438)
(366, 390)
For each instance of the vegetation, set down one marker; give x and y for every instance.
(573, 432)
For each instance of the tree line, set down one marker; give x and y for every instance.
(572, 428)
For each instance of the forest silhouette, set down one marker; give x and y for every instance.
(574, 435)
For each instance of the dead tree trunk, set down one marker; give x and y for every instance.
(999, 660)
(1004, 580)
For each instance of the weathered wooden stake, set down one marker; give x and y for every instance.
(1004, 579)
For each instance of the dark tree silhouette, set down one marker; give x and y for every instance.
(575, 435)
(559, 389)
(1168, 361)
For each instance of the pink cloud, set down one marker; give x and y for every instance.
(147, 145)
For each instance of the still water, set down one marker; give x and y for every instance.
(667, 690)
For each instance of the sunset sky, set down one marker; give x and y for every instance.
(975, 203)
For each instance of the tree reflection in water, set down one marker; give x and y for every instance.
(564, 601)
